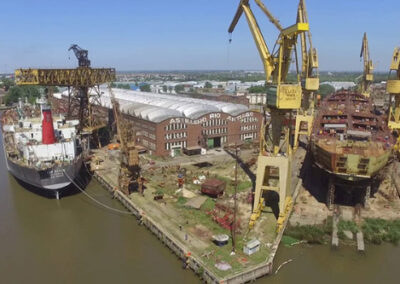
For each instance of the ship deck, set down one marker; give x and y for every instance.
(346, 123)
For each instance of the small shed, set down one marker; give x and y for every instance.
(252, 247)
(190, 151)
(213, 187)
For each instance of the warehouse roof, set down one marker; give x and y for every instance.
(158, 107)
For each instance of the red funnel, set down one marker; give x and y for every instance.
(47, 127)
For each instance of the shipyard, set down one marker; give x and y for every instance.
(133, 161)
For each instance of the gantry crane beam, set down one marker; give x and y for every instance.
(309, 80)
(282, 98)
(79, 77)
(368, 75)
(393, 88)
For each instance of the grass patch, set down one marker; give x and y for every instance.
(346, 226)
(289, 241)
(244, 185)
(310, 233)
(208, 205)
(230, 184)
(377, 231)
(181, 200)
(314, 234)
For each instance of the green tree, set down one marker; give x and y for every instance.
(145, 88)
(179, 88)
(7, 83)
(164, 89)
(17, 92)
(257, 89)
(325, 89)
(170, 89)
(208, 85)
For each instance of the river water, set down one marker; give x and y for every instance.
(73, 240)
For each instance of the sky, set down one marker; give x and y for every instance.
(187, 34)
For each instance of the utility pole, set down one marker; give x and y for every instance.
(233, 228)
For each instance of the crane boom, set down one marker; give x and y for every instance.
(129, 171)
(368, 75)
(393, 88)
(266, 58)
(81, 54)
(269, 15)
(282, 98)
(309, 80)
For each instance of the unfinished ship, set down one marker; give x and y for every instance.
(350, 138)
(40, 151)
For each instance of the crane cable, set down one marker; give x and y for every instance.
(94, 199)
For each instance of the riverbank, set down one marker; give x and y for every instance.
(378, 220)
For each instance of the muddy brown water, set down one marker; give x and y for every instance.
(73, 240)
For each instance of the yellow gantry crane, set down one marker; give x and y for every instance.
(274, 160)
(81, 78)
(368, 76)
(309, 80)
(393, 88)
(129, 171)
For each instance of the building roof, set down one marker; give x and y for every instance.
(158, 107)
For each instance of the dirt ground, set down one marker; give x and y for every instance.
(196, 227)
(310, 209)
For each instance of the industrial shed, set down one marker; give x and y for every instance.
(167, 124)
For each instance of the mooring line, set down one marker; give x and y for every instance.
(94, 199)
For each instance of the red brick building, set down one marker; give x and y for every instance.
(168, 124)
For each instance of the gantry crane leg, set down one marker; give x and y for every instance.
(265, 181)
(302, 120)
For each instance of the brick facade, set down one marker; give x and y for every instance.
(208, 131)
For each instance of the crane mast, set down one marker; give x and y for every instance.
(309, 80)
(393, 88)
(282, 98)
(129, 171)
(368, 75)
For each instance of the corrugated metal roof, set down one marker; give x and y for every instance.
(158, 107)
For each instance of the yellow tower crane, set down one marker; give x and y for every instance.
(129, 171)
(309, 80)
(368, 76)
(282, 98)
(393, 88)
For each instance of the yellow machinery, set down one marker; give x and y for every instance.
(393, 88)
(81, 78)
(129, 170)
(309, 80)
(368, 76)
(274, 161)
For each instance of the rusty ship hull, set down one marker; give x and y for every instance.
(350, 139)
